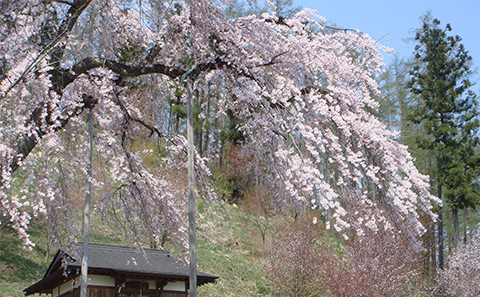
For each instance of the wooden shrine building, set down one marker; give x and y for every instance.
(117, 271)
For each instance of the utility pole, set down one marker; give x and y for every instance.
(191, 194)
(86, 219)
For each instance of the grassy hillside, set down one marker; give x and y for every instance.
(19, 267)
(229, 246)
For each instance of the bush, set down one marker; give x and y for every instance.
(296, 261)
(461, 277)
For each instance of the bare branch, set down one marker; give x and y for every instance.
(133, 71)
(272, 61)
(126, 70)
(279, 21)
(130, 117)
(338, 29)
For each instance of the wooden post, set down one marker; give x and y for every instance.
(191, 194)
(86, 220)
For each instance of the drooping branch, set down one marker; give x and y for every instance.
(27, 142)
(40, 122)
(54, 47)
(41, 126)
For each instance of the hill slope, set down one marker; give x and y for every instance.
(229, 246)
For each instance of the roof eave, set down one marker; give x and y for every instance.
(49, 282)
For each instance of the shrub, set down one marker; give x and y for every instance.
(461, 277)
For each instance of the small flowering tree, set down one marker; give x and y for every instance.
(376, 260)
(381, 263)
(461, 277)
(297, 261)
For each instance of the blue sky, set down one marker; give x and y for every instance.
(391, 21)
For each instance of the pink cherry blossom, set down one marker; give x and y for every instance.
(300, 92)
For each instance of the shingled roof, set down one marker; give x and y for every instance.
(117, 261)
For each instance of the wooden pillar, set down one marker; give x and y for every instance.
(118, 285)
(159, 285)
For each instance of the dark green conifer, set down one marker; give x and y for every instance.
(448, 115)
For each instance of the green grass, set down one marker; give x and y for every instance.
(19, 267)
(238, 277)
(229, 248)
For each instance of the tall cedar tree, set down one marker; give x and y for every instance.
(448, 113)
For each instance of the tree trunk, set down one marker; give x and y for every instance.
(440, 227)
(199, 137)
(465, 222)
(170, 118)
(207, 125)
(456, 231)
(440, 238)
(433, 249)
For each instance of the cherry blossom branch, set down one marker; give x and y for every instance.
(133, 71)
(281, 21)
(272, 60)
(338, 29)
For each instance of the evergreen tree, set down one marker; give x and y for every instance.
(448, 114)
